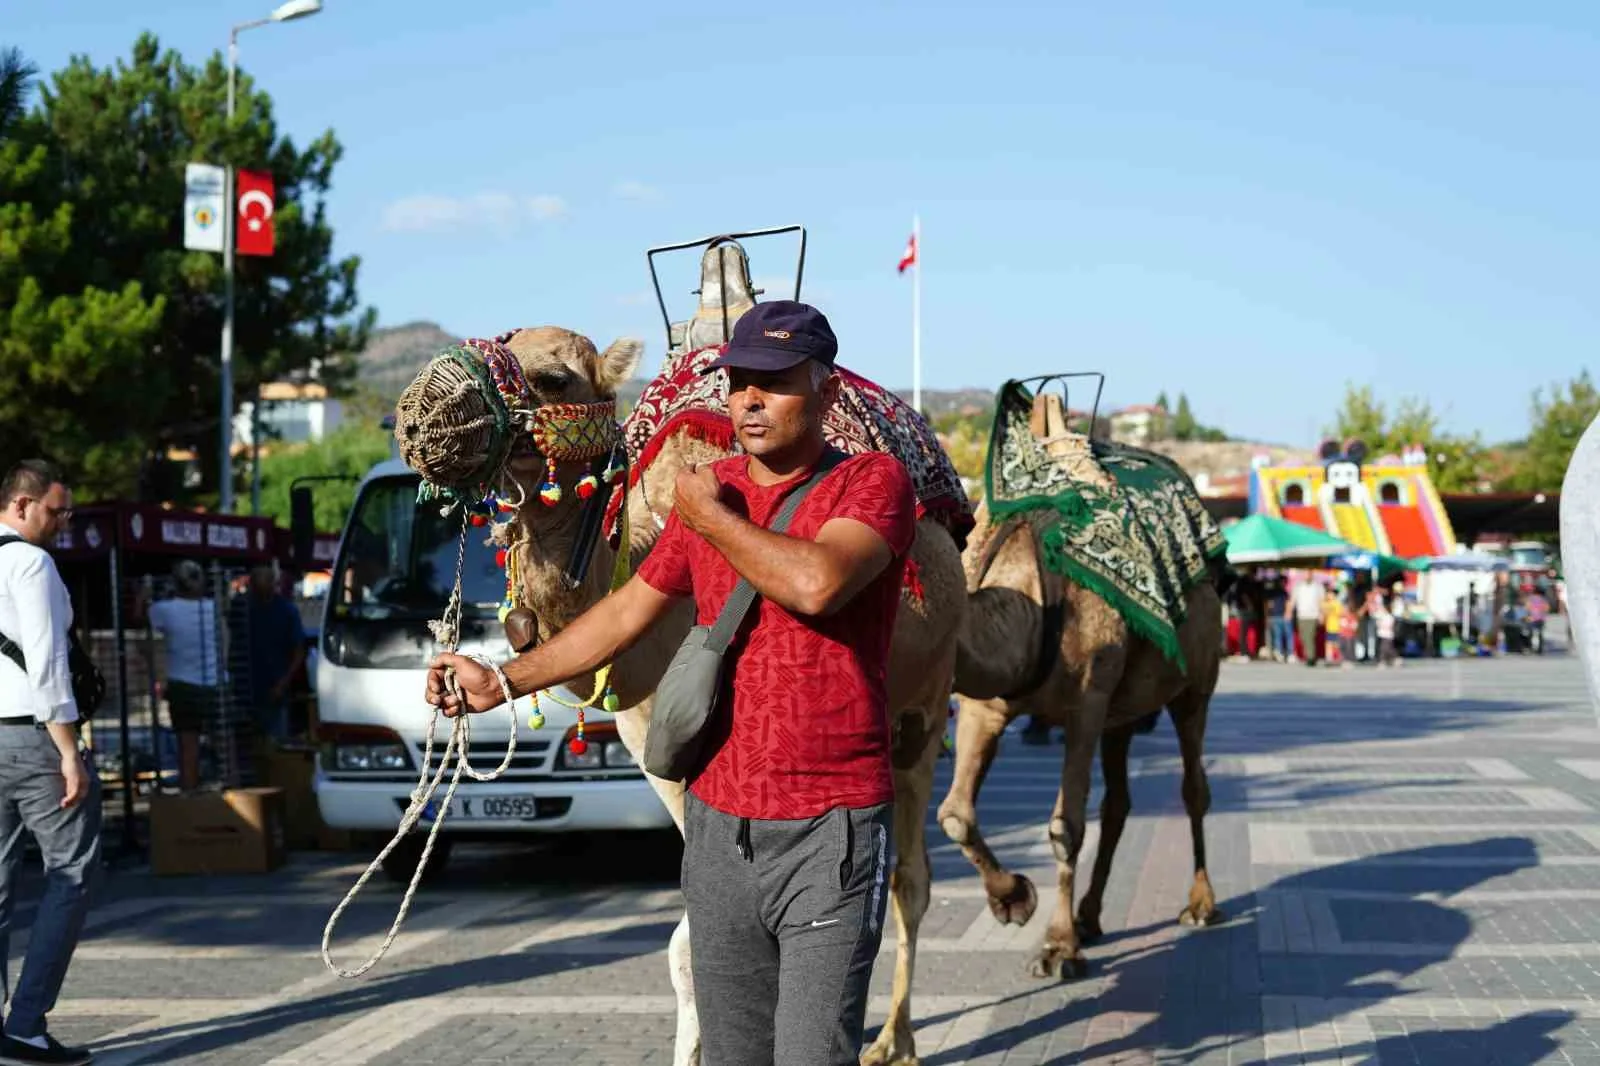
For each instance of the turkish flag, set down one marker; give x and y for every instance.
(253, 222)
(910, 257)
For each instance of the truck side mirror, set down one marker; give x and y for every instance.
(303, 526)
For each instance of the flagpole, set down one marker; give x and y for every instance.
(916, 314)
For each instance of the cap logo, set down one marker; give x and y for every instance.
(781, 334)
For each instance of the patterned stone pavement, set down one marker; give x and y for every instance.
(1408, 862)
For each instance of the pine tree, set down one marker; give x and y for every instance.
(109, 355)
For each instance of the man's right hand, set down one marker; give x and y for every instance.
(76, 778)
(478, 684)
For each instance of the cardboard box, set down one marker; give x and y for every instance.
(236, 831)
(292, 770)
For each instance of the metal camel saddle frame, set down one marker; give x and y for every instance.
(726, 290)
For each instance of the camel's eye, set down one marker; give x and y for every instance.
(551, 381)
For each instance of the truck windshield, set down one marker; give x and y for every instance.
(399, 559)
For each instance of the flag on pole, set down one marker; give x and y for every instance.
(202, 207)
(253, 224)
(910, 256)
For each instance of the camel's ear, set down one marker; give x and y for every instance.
(617, 364)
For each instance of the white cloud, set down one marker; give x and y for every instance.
(497, 210)
(636, 191)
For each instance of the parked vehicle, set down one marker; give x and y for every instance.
(396, 566)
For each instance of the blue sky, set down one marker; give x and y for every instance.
(1250, 202)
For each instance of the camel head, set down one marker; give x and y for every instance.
(528, 417)
(486, 408)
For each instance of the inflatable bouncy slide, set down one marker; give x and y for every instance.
(1388, 505)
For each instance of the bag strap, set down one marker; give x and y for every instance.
(744, 593)
(8, 647)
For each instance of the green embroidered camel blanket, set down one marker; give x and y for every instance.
(1140, 542)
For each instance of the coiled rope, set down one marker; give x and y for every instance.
(447, 630)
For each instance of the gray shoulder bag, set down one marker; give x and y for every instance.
(690, 689)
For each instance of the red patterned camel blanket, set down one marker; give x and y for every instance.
(866, 418)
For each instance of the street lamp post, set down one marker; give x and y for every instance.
(294, 9)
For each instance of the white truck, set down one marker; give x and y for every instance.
(393, 572)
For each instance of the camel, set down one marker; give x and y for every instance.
(562, 366)
(1100, 682)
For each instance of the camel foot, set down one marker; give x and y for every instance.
(1056, 960)
(957, 830)
(1200, 915)
(1016, 906)
(890, 1050)
(1088, 929)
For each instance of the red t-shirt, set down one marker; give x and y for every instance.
(809, 728)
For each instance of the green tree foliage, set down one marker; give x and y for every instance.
(109, 355)
(1556, 424)
(348, 451)
(1184, 426)
(1162, 427)
(16, 81)
(1363, 417)
(1465, 463)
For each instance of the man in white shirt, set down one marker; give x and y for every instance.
(45, 786)
(1307, 600)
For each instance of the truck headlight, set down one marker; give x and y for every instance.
(617, 754)
(589, 760)
(348, 757)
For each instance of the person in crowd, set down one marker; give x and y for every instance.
(267, 624)
(1333, 611)
(1383, 625)
(187, 622)
(1308, 599)
(1280, 622)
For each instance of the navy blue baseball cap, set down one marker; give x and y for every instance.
(777, 335)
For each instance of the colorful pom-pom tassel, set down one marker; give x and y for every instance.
(500, 558)
(479, 520)
(578, 746)
(610, 701)
(536, 720)
(586, 486)
(550, 494)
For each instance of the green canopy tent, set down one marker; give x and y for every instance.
(1264, 540)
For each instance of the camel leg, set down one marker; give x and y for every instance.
(917, 747)
(1061, 952)
(1189, 711)
(1114, 810)
(632, 724)
(979, 723)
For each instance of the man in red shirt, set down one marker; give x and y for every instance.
(786, 824)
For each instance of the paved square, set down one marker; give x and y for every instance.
(1409, 862)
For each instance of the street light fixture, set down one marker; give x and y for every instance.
(295, 9)
(286, 12)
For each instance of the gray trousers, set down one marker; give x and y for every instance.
(785, 919)
(31, 788)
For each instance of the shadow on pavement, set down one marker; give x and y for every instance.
(1204, 987)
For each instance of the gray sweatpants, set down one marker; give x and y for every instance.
(785, 919)
(31, 787)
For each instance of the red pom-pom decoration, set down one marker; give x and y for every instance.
(578, 745)
(586, 486)
(480, 520)
(500, 558)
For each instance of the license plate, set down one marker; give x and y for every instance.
(485, 808)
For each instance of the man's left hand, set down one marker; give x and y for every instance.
(698, 496)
